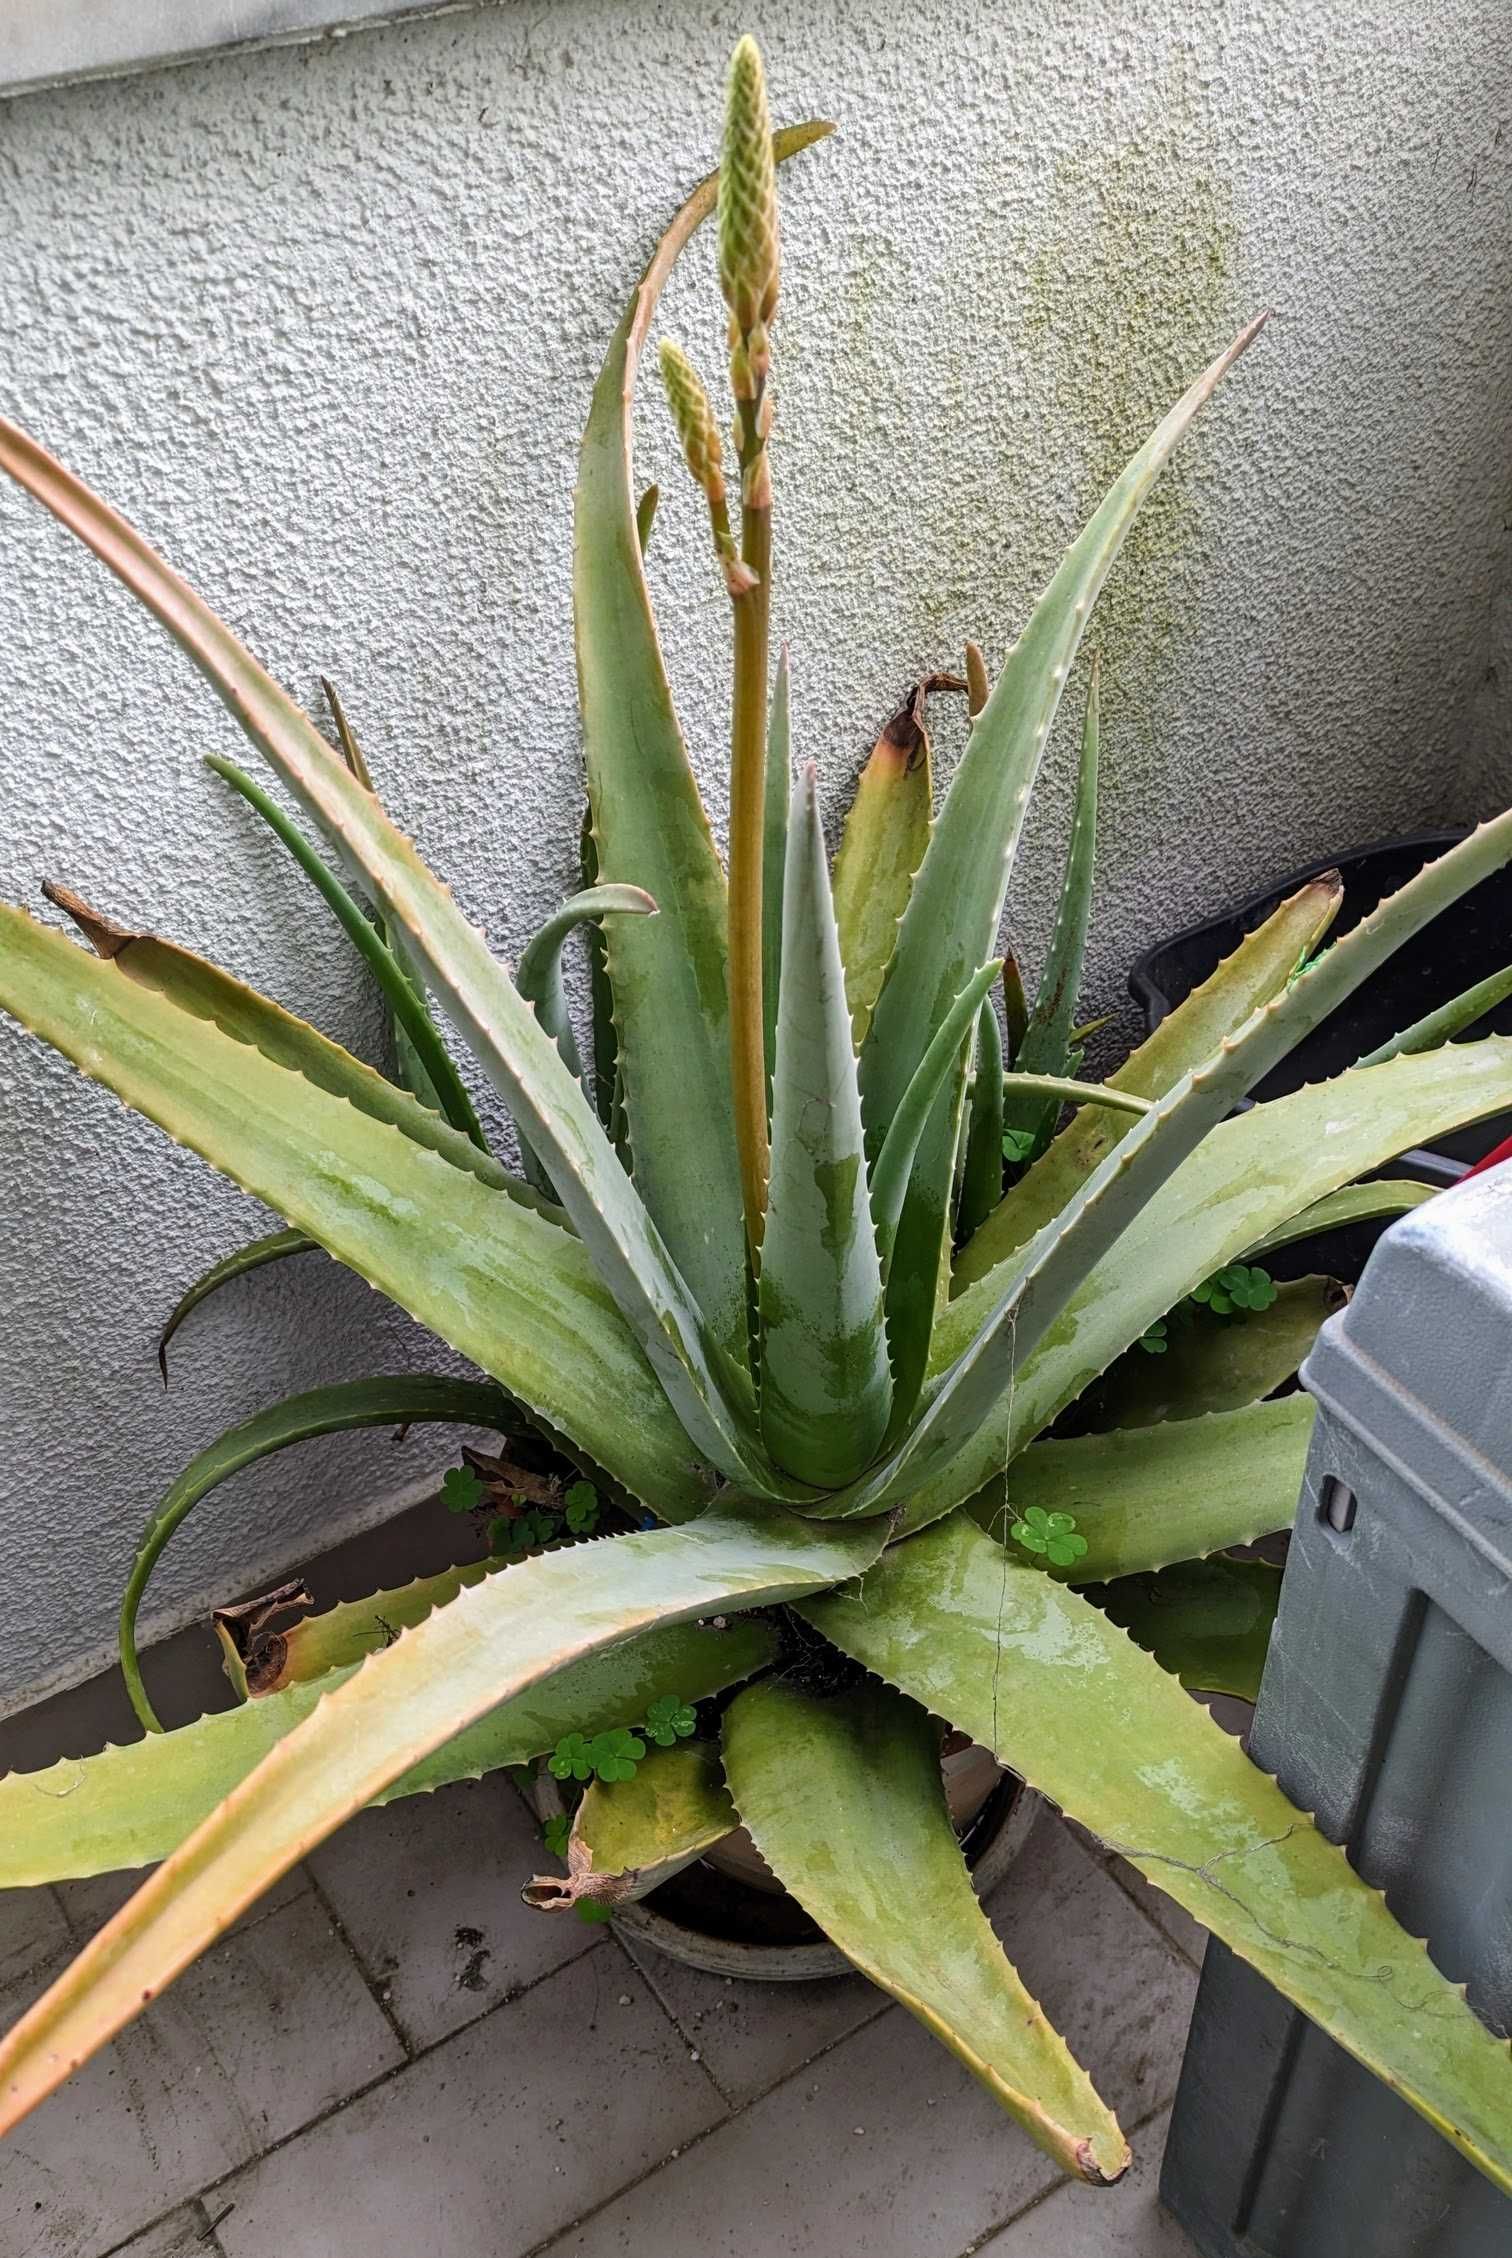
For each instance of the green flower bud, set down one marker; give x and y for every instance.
(694, 418)
(749, 261)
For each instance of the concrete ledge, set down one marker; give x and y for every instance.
(49, 42)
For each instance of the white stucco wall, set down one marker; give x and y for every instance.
(323, 321)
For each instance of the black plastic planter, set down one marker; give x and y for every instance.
(1467, 943)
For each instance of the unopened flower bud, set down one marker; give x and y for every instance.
(749, 263)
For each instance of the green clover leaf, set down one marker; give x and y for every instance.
(1154, 1340)
(1240, 1285)
(1018, 1144)
(555, 1832)
(572, 1758)
(669, 1718)
(1050, 1535)
(615, 1755)
(582, 1504)
(461, 1490)
(594, 1909)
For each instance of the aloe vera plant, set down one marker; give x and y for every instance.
(772, 1287)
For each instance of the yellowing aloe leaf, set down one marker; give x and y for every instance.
(843, 1799)
(131, 1806)
(1037, 1674)
(881, 846)
(490, 1644)
(630, 1836)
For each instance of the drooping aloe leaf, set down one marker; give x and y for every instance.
(1047, 1045)
(881, 846)
(1356, 1203)
(350, 1404)
(489, 1645)
(1450, 1019)
(1208, 1622)
(1064, 1252)
(1065, 1089)
(956, 902)
(1037, 1674)
(630, 1836)
(498, 1281)
(826, 1385)
(404, 1001)
(1256, 971)
(1144, 1497)
(712, 1394)
(276, 1247)
(669, 973)
(843, 1799)
(1217, 1363)
(132, 1805)
(982, 1173)
(1247, 1174)
(779, 771)
(890, 1172)
(539, 980)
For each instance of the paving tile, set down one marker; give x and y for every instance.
(32, 1931)
(428, 1892)
(494, 2140)
(89, 1904)
(1120, 2222)
(181, 2236)
(1173, 1920)
(750, 2035)
(262, 2034)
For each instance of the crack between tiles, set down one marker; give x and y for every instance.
(376, 1991)
(1057, 2187)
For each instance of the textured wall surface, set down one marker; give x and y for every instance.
(323, 320)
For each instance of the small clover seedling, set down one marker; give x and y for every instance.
(1018, 1144)
(555, 1832)
(668, 1719)
(1052, 1535)
(615, 1755)
(1154, 1340)
(461, 1490)
(1242, 1286)
(571, 1759)
(582, 1507)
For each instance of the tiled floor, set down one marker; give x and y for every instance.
(393, 2054)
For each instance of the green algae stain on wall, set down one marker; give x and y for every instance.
(1130, 297)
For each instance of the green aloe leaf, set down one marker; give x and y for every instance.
(1047, 1044)
(431, 1225)
(406, 1003)
(1208, 1622)
(1257, 970)
(668, 973)
(489, 1645)
(630, 1836)
(132, 1805)
(1382, 1197)
(956, 902)
(826, 1386)
(1144, 1497)
(844, 1800)
(712, 1395)
(777, 786)
(350, 1404)
(276, 1247)
(982, 1171)
(539, 980)
(1218, 1364)
(881, 846)
(1450, 1019)
(890, 1175)
(1037, 1674)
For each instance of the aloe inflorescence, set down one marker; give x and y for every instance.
(826, 1247)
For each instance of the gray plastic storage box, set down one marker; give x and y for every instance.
(1386, 1708)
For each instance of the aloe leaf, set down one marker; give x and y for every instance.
(1064, 1089)
(1246, 1177)
(645, 516)
(1037, 1674)
(826, 1386)
(539, 980)
(1217, 1363)
(1208, 1622)
(1356, 1203)
(978, 688)
(956, 902)
(630, 1836)
(712, 1395)
(1046, 1046)
(1015, 1006)
(132, 1805)
(1256, 971)
(891, 1173)
(1145, 1497)
(498, 1281)
(276, 1247)
(405, 1002)
(982, 1173)
(489, 1645)
(298, 1419)
(1064, 1252)
(669, 973)
(843, 1799)
(1450, 1019)
(606, 1080)
(778, 789)
(881, 846)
